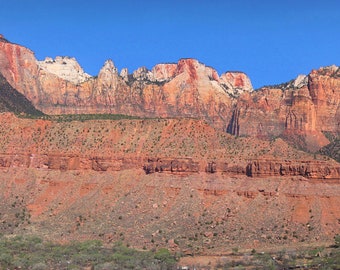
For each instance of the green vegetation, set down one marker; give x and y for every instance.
(31, 252)
(317, 258)
(79, 117)
(333, 148)
(337, 241)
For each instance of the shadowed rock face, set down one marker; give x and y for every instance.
(13, 101)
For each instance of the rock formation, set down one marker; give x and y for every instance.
(13, 101)
(19, 67)
(177, 146)
(174, 178)
(66, 68)
(300, 110)
(144, 181)
(188, 88)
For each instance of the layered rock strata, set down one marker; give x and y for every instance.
(176, 146)
(186, 89)
(301, 110)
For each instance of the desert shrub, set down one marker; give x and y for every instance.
(164, 256)
(40, 266)
(337, 240)
(33, 253)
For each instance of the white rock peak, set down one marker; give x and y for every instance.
(300, 81)
(66, 68)
(109, 66)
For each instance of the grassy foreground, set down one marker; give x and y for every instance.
(31, 252)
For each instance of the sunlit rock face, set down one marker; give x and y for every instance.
(92, 178)
(184, 89)
(64, 67)
(302, 109)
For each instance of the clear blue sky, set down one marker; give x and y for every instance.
(272, 40)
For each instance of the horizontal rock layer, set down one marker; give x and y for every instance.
(179, 146)
(197, 214)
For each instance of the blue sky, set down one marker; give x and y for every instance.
(272, 41)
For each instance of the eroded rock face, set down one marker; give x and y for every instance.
(187, 88)
(176, 146)
(85, 179)
(324, 90)
(66, 68)
(76, 205)
(307, 169)
(186, 166)
(13, 101)
(80, 179)
(236, 83)
(164, 72)
(18, 65)
(300, 110)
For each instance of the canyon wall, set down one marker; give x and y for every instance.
(301, 110)
(186, 89)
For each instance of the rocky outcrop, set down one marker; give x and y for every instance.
(65, 162)
(164, 72)
(64, 67)
(19, 67)
(236, 83)
(186, 165)
(324, 90)
(300, 110)
(180, 166)
(307, 169)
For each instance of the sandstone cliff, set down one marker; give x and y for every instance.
(186, 89)
(66, 68)
(300, 111)
(182, 182)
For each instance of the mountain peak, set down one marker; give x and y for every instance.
(65, 67)
(2, 39)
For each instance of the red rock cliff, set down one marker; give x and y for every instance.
(185, 89)
(300, 110)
